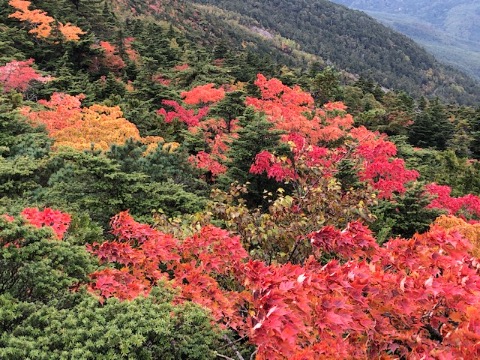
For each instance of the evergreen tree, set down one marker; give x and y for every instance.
(404, 216)
(326, 86)
(431, 128)
(256, 135)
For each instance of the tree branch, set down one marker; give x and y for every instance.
(234, 348)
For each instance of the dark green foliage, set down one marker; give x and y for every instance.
(22, 148)
(160, 165)
(17, 137)
(257, 134)
(404, 216)
(347, 175)
(230, 108)
(442, 167)
(326, 86)
(143, 113)
(93, 183)
(37, 267)
(145, 328)
(475, 126)
(431, 128)
(18, 176)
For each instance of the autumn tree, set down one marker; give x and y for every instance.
(97, 126)
(392, 301)
(18, 75)
(213, 133)
(42, 24)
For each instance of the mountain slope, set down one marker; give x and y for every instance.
(330, 33)
(448, 29)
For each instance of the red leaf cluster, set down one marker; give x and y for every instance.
(384, 172)
(468, 205)
(17, 75)
(139, 251)
(203, 94)
(292, 110)
(187, 116)
(205, 161)
(414, 298)
(55, 219)
(215, 131)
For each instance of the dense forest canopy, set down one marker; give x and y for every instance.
(349, 40)
(165, 194)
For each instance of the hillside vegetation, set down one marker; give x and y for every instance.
(168, 192)
(448, 29)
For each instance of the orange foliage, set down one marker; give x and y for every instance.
(455, 224)
(41, 22)
(37, 18)
(70, 32)
(97, 126)
(62, 110)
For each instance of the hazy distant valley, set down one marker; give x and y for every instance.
(448, 29)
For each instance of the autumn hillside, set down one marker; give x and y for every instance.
(164, 196)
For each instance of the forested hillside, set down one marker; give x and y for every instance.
(168, 190)
(349, 40)
(448, 29)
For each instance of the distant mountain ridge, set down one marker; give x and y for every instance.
(448, 29)
(306, 31)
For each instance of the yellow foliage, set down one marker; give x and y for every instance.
(469, 231)
(170, 147)
(152, 143)
(95, 127)
(99, 128)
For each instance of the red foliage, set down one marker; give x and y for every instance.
(17, 75)
(203, 94)
(415, 298)
(111, 59)
(55, 219)
(187, 116)
(468, 205)
(292, 110)
(275, 168)
(139, 250)
(385, 173)
(216, 134)
(206, 162)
